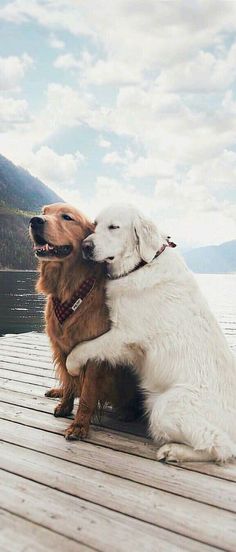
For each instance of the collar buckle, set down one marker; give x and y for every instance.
(76, 304)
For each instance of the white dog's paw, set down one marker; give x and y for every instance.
(171, 452)
(73, 364)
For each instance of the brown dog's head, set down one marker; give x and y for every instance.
(58, 232)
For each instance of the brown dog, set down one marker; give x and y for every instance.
(75, 312)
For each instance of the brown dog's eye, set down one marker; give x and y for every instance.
(113, 227)
(67, 217)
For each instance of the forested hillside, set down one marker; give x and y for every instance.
(21, 196)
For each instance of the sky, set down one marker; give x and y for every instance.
(130, 100)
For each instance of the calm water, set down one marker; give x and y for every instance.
(21, 309)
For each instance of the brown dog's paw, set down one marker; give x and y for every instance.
(62, 410)
(54, 393)
(76, 432)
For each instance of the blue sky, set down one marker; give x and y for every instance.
(124, 100)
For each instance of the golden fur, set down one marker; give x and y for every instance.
(61, 277)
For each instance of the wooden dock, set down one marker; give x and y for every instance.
(108, 493)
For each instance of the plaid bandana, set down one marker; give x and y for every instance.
(64, 310)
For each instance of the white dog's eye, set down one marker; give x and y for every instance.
(113, 227)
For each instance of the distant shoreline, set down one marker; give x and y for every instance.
(17, 270)
(203, 273)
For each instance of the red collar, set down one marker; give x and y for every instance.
(143, 263)
(64, 310)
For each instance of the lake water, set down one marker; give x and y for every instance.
(21, 309)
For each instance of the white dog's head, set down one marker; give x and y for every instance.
(123, 237)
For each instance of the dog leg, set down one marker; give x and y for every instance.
(175, 452)
(108, 347)
(69, 386)
(91, 392)
(66, 405)
(176, 417)
(54, 393)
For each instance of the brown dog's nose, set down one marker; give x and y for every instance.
(36, 222)
(87, 248)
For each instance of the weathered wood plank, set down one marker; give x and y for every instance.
(27, 378)
(88, 523)
(26, 369)
(29, 335)
(225, 471)
(199, 521)
(43, 404)
(31, 338)
(98, 435)
(40, 403)
(19, 535)
(154, 474)
(30, 362)
(19, 344)
(31, 389)
(23, 352)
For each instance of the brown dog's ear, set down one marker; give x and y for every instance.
(148, 238)
(90, 229)
(44, 209)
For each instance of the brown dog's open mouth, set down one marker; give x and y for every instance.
(44, 249)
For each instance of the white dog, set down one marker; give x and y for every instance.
(162, 325)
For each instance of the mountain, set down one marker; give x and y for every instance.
(213, 259)
(20, 190)
(21, 196)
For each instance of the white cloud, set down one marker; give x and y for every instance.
(191, 218)
(142, 167)
(12, 112)
(113, 158)
(100, 72)
(141, 38)
(66, 61)
(58, 171)
(164, 74)
(104, 72)
(218, 172)
(109, 190)
(206, 72)
(64, 108)
(52, 14)
(167, 128)
(56, 42)
(102, 143)
(12, 70)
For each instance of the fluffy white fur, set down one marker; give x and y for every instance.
(162, 325)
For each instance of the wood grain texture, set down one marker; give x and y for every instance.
(105, 493)
(30, 388)
(93, 525)
(10, 374)
(27, 369)
(201, 522)
(140, 446)
(151, 473)
(32, 537)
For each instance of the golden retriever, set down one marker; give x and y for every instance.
(57, 235)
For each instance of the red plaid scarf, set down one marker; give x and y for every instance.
(64, 310)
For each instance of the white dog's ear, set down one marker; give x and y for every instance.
(148, 238)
